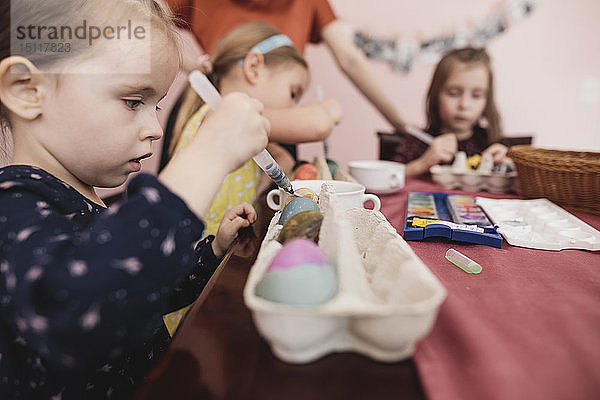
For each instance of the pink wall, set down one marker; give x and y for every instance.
(547, 71)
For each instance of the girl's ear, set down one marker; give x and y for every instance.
(253, 66)
(21, 87)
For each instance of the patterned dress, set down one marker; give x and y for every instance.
(83, 288)
(238, 187)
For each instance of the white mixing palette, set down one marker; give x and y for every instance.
(539, 224)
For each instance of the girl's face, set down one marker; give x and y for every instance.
(463, 97)
(100, 125)
(282, 86)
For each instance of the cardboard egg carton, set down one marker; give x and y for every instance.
(387, 298)
(458, 176)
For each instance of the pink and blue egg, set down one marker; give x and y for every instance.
(299, 275)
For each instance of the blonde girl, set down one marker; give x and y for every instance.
(256, 59)
(83, 288)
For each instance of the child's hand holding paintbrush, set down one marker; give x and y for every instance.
(211, 96)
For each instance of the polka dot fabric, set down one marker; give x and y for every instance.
(83, 288)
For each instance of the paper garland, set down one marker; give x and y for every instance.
(401, 53)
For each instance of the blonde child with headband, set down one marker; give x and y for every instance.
(84, 287)
(256, 59)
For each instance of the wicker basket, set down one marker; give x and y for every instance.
(568, 178)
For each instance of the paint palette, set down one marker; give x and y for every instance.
(453, 216)
(539, 224)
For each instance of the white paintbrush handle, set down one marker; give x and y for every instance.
(265, 161)
(419, 134)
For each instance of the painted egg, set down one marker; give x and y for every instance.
(333, 166)
(306, 171)
(299, 275)
(302, 192)
(306, 224)
(295, 206)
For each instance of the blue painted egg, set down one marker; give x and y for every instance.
(295, 206)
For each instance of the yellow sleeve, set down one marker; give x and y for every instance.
(191, 127)
(239, 186)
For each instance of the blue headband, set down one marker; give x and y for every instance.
(270, 44)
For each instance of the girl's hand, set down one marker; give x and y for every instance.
(236, 130)
(334, 109)
(442, 149)
(236, 218)
(228, 137)
(497, 151)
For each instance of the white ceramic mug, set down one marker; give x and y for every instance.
(380, 176)
(348, 194)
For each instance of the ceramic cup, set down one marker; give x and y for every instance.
(348, 194)
(379, 176)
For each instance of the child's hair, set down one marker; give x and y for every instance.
(231, 48)
(60, 13)
(471, 56)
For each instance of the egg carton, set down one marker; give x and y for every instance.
(474, 181)
(539, 224)
(387, 298)
(500, 178)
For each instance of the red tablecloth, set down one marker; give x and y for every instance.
(526, 327)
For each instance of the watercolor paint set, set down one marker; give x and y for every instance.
(453, 216)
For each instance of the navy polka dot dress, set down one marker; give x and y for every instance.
(83, 288)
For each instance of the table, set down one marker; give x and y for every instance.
(527, 327)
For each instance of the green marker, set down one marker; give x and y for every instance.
(463, 262)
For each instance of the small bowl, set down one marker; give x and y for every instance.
(379, 176)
